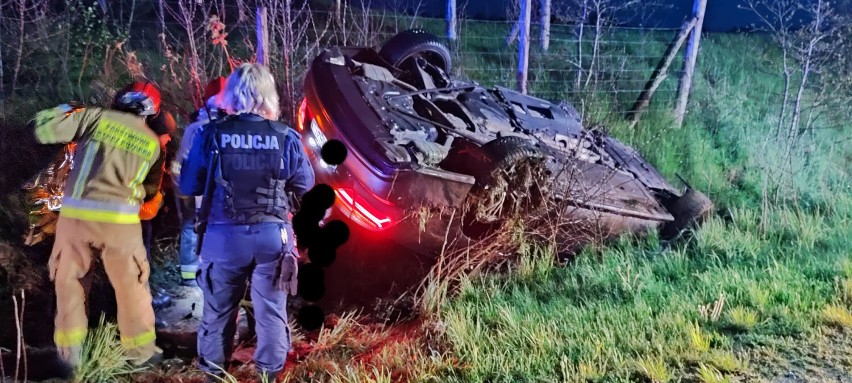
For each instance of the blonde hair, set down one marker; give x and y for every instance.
(251, 89)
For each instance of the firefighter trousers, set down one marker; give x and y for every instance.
(123, 254)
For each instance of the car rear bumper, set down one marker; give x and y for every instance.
(368, 182)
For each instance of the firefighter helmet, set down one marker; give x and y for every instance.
(139, 97)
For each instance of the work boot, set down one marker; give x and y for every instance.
(160, 299)
(153, 360)
(64, 370)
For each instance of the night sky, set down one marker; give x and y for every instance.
(721, 16)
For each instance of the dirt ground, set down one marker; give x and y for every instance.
(827, 358)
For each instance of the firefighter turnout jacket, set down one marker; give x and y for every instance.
(118, 163)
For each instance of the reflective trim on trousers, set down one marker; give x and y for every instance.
(99, 215)
(70, 338)
(140, 340)
(188, 271)
(100, 211)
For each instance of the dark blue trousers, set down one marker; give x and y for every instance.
(231, 255)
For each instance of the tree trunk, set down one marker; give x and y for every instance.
(16, 70)
(792, 133)
(786, 97)
(690, 59)
(451, 20)
(2, 74)
(659, 73)
(262, 35)
(130, 19)
(596, 46)
(545, 25)
(580, 47)
(162, 16)
(524, 45)
(287, 51)
(338, 18)
(806, 70)
(194, 62)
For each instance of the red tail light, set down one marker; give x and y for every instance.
(363, 211)
(302, 117)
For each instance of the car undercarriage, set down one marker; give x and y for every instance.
(430, 121)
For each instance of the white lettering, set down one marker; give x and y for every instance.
(237, 141)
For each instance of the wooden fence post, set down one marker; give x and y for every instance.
(659, 73)
(262, 35)
(690, 58)
(524, 45)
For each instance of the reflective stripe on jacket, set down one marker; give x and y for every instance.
(115, 154)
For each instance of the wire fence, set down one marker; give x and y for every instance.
(600, 71)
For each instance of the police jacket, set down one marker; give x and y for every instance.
(117, 161)
(261, 163)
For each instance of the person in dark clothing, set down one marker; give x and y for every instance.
(187, 205)
(259, 163)
(164, 123)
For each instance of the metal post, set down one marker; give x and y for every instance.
(524, 45)
(451, 20)
(545, 25)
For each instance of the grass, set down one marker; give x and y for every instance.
(103, 356)
(837, 316)
(708, 374)
(751, 276)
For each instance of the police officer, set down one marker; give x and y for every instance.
(257, 162)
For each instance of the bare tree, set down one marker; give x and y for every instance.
(601, 14)
(262, 34)
(777, 18)
(161, 15)
(290, 33)
(2, 74)
(813, 37)
(808, 50)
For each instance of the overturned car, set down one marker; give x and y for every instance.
(418, 138)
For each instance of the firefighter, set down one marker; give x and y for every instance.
(116, 152)
(187, 205)
(254, 161)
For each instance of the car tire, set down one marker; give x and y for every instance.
(505, 153)
(688, 210)
(412, 43)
